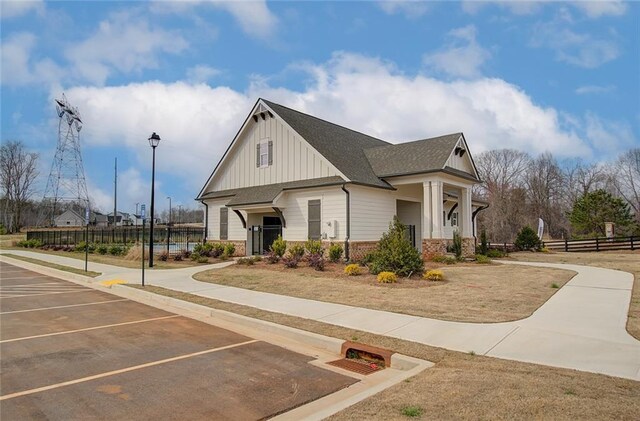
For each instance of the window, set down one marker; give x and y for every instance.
(224, 223)
(314, 219)
(264, 153)
(454, 219)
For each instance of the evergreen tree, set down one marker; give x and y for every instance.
(592, 210)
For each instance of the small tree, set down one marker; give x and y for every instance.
(592, 210)
(457, 245)
(527, 239)
(395, 253)
(484, 246)
(279, 246)
(18, 173)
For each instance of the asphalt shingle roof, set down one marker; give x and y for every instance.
(344, 148)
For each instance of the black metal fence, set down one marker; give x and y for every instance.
(173, 240)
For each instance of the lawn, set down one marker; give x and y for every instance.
(463, 386)
(470, 292)
(53, 265)
(628, 261)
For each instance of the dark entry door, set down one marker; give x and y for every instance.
(271, 229)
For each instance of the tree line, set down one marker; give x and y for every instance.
(574, 198)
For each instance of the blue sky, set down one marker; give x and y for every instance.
(536, 76)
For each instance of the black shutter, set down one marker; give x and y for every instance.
(258, 155)
(224, 223)
(314, 219)
(270, 152)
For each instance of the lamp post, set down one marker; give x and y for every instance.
(154, 141)
(170, 218)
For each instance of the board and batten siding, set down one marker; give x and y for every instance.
(293, 158)
(295, 209)
(461, 163)
(235, 230)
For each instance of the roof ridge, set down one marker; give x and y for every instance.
(325, 121)
(414, 141)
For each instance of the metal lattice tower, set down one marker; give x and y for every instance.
(66, 187)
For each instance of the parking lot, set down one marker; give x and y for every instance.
(71, 352)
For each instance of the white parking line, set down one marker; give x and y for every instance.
(123, 370)
(50, 293)
(70, 305)
(87, 329)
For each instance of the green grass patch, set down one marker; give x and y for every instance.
(412, 411)
(53, 265)
(555, 286)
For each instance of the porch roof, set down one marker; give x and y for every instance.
(267, 193)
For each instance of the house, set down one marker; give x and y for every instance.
(122, 219)
(292, 174)
(73, 218)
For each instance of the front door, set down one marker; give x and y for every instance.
(271, 229)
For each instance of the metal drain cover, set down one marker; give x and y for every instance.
(356, 366)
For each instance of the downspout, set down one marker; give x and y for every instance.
(346, 239)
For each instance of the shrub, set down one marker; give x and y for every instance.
(229, 249)
(256, 259)
(387, 277)
(527, 239)
(291, 261)
(217, 250)
(434, 275)
(482, 259)
(204, 249)
(80, 246)
(296, 251)
(335, 252)
(352, 270)
(203, 259)
(102, 249)
(395, 253)
(3, 230)
(195, 256)
(117, 250)
(279, 246)
(32, 244)
(316, 261)
(163, 256)
(367, 259)
(272, 257)
(545, 250)
(457, 245)
(185, 253)
(447, 260)
(313, 247)
(484, 245)
(178, 257)
(495, 253)
(245, 261)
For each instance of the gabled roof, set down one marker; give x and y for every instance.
(344, 148)
(415, 157)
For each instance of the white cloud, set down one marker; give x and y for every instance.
(16, 8)
(595, 89)
(579, 49)
(125, 43)
(517, 7)
(462, 56)
(254, 17)
(197, 122)
(201, 73)
(412, 9)
(598, 8)
(18, 66)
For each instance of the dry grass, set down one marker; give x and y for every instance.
(470, 292)
(462, 386)
(8, 240)
(53, 265)
(628, 261)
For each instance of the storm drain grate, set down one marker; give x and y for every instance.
(360, 367)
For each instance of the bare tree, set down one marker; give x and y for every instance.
(544, 182)
(625, 175)
(18, 172)
(502, 172)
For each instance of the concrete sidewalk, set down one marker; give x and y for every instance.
(583, 326)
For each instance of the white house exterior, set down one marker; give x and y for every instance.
(69, 218)
(293, 174)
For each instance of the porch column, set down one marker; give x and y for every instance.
(465, 213)
(437, 207)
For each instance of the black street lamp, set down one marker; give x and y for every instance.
(169, 224)
(154, 141)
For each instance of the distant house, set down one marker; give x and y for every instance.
(99, 220)
(122, 219)
(292, 174)
(69, 218)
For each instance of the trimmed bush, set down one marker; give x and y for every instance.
(245, 261)
(279, 246)
(352, 270)
(314, 247)
(335, 252)
(434, 275)
(195, 256)
(204, 249)
(457, 245)
(447, 260)
(217, 250)
(229, 249)
(484, 245)
(296, 251)
(291, 262)
(395, 253)
(495, 253)
(203, 259)
(185, 253)
(178, 257)
(31, 244)
(163, 256)
(527, 239)
(117, 250)
(102, 249)
(81, 246)
(387, 277)
(256, 259)
(482, 259)
(316, 261)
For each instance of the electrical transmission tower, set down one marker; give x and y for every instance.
(66, 187)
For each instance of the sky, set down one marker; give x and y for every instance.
(562, 77)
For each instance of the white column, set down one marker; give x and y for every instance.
(437, 196)
(465, 213)
(426, 210)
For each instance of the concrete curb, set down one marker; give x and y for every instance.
(45, 270)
